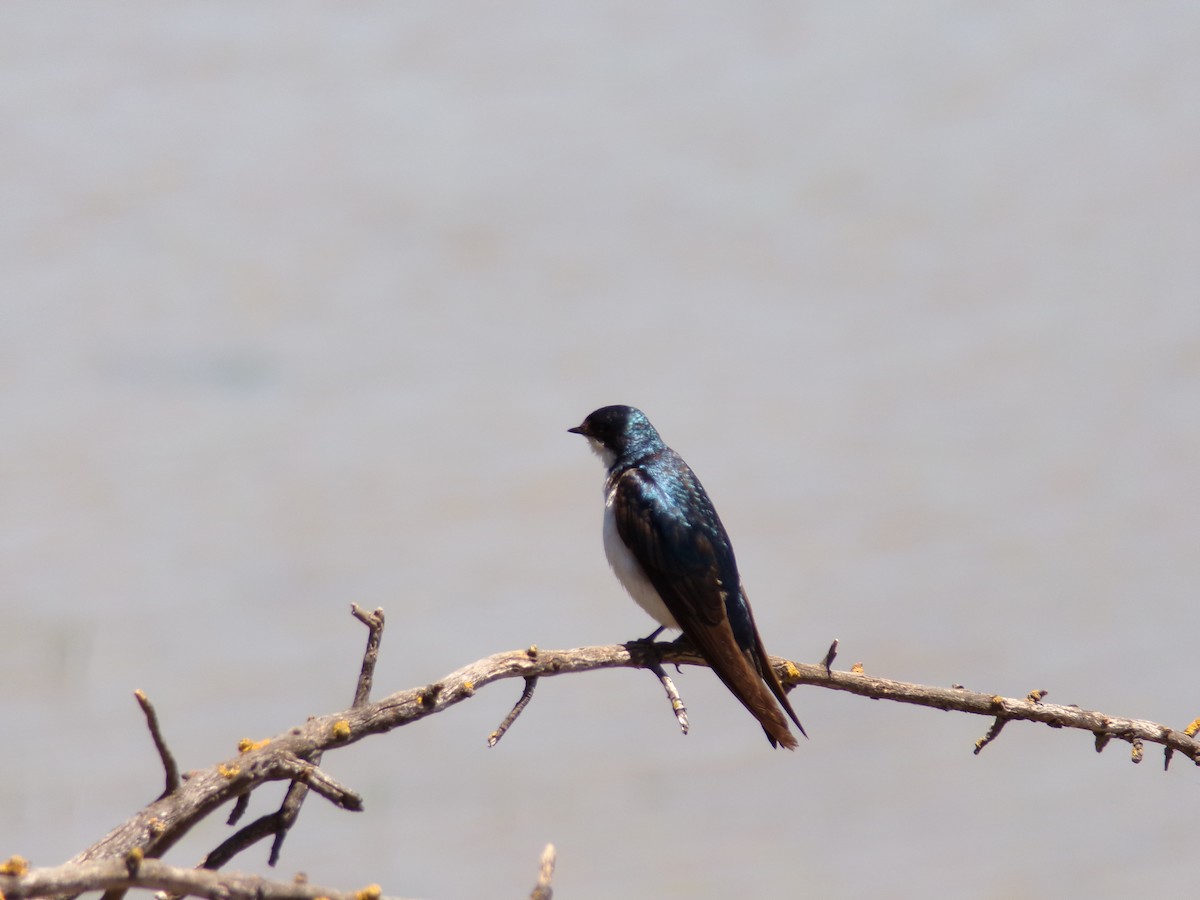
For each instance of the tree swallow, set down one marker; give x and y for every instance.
(667, 546)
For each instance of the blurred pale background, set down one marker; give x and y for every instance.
(299, 301)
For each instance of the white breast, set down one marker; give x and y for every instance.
(629, 571)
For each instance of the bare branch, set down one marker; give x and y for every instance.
(277, 824)
(158, 826)
(119, 875)
(958, 699)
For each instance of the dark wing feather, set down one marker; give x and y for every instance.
(762, 662)
(693, 576)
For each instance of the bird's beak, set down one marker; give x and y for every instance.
(578, 429)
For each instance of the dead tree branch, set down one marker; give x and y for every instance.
(276, 825)
(128, 856)
(158, 826)
(1003, 709)
(119, 875)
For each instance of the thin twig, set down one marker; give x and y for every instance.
(244, 838)
(518, 708)
(676, 701)
(992, 734)
(374, 623)
(164, 753)
(285, 816)
(830, 656)
(239, 809)
(320, 782)
(542, 890)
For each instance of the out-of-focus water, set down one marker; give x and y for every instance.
(299, 304)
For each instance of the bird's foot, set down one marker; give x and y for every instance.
(648, 646)
(684, 644)
(653, 650)
(648, 640)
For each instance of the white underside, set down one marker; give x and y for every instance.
(629, 571)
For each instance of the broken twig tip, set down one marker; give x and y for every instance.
(133, 861)
(1136, 751)
(518, 708)
(830, 656)
(673, 697)
(992, 734)
(542, 890)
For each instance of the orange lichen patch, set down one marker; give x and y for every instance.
(370, 892)
(14, 865)
(245, 745)
(1191, 730)
(857, 668)
(228, 771)
(341, 729)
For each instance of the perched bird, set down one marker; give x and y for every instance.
(667, 546)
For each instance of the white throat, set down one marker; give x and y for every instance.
(606, 455)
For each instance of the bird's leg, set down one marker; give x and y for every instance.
(648, 641)
(684, 643)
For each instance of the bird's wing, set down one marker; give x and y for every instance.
(693, 577)
(679, 559)
(762, 662)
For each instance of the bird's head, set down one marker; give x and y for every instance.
(618, 432)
